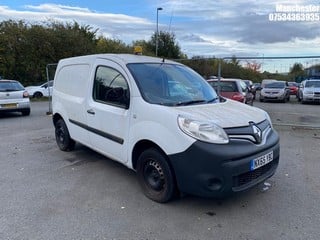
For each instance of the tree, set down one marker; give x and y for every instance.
(167, 46)
(297, 72)
(105, 45)
(26, 49)
(12, 39)
(235, 61)
(254, 66)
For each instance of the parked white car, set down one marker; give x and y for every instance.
(13, 97)
(164, 121)
(309, 91)
(44, 90)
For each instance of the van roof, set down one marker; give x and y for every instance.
(124, 58)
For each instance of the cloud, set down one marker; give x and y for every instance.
(120, 26)
(193, 38)
(244, 21)
(53, 8)
(220, 28)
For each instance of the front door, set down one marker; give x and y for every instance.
(107, 111)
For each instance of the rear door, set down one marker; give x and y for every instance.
(108, 110)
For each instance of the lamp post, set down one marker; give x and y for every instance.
(157, 32)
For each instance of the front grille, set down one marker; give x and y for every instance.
(247, 177)
(247, 133)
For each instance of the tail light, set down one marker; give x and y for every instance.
(238, 97)
(25, 94)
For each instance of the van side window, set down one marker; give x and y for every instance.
(110, 87)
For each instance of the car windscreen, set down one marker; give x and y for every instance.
(171, 84)
(275, 85)
(10, 86)
(225, 86)
(293, 84)
(310, 84)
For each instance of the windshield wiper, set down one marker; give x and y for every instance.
(213, 100)
(190, 102)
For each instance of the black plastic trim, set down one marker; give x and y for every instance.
(99, 132)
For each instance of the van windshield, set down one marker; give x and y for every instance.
(171, 84)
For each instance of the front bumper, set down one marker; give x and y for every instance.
(311, 97)
(212, 170)
(271, 97)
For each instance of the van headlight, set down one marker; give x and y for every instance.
(269, 119)
(203, 130)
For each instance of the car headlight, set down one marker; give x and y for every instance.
(308, 92)
(203, 130)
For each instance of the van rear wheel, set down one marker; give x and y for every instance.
(63, 139)
(155, 176)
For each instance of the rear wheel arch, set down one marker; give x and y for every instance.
(63, 138)
(56, 117)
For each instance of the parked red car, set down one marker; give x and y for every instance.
(294, 87)
(234, 89)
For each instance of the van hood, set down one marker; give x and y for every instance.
(226, 114)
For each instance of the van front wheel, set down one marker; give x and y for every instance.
(155, 176)
(65, 143)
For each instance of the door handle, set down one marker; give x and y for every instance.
(90, 111)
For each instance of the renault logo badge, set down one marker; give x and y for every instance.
(257, 133)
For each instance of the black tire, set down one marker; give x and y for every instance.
(65, 143)
(155, 176)
(25, 112)
(37, 95)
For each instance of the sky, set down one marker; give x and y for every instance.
(206, 28)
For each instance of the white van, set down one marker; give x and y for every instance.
(164, 121)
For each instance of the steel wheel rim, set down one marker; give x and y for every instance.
(153, 175)
(60, 134)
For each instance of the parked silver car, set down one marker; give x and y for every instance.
(275, 91)
(13, 97)
(309, 91)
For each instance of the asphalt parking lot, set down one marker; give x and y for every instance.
(49, 194)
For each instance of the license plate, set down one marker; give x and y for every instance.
(261, 161)
(11, 105)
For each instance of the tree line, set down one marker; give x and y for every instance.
(26, 49)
